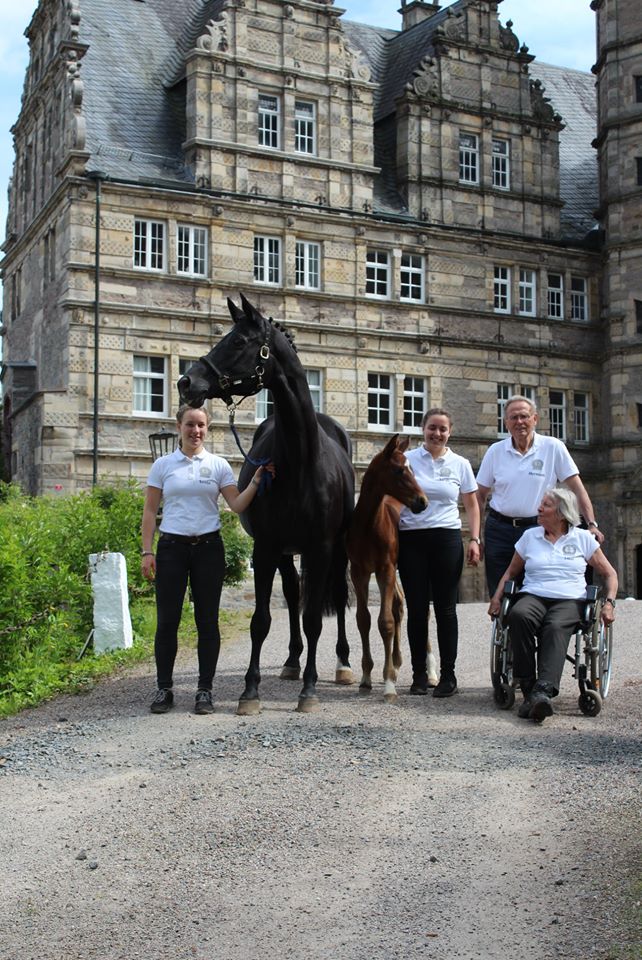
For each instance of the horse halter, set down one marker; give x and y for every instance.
(226, 382)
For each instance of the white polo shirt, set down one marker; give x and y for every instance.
(519, 480)
(191, 490)
(556, 570)
(442, 481)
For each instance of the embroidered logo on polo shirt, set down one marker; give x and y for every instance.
(445, 472)
(538, 469)
(205, 472)
(538, 464)
(569, 550)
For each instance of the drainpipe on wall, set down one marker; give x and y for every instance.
(97, 176)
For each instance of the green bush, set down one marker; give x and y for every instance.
(46, 605)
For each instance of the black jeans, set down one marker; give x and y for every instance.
(499, 546)
(203, 564)
(554, 622)
(430, 565)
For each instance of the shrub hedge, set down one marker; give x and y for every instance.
(46, 605)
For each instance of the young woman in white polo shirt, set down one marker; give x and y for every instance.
(190, 548)
(431, 552)
(553, 557)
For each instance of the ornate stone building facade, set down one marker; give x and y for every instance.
(418, 206)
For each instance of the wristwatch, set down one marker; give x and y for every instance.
(592, 523)
(474, 540)
(609, 600)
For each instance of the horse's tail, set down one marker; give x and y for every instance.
(335, 590)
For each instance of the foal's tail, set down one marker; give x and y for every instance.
(335, 590)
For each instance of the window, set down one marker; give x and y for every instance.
(305, 127)
(501, 290)
(264, 405)
(49, 256)
(579, 299)
(501, 164)
(267, 260)
(269, 121)
(468, 158)
(638, 316)
(316, 388)
(415, 402)
(149, 245)
(412, 277)
(377, 273)
(557, 413)
(307, 265)
(150, 385)
(380, 400)
(191, 245)
(504, 392)
(555, 297)
(581, 417)
(527, 296)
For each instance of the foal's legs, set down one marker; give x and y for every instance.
(386, 580)
(339, 574)
(264, 569)
(360, 581)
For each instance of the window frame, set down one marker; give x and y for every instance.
(414, 402)
(374, 270)
(500, 283)
(579, 300)
(304, 265)
(469, 165)
(308, 136)
(268, 126)
(191, 255)
(316, 389)
(412, 270)
(554, 297)
(150, 376)
(527, 290)
(500, 164)
(557, 415)
(377, 392)
(581, 417)
(263, 267)
(146, 250)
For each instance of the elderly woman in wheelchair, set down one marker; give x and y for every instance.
(550, 606)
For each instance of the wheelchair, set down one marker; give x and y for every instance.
(592, 660)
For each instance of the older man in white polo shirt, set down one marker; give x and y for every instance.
(516, 472)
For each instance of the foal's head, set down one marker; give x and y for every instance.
(392, 474)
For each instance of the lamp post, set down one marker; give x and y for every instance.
(97, 176)
(162, 442)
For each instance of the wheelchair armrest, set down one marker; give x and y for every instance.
(509, 588)
(592, 592)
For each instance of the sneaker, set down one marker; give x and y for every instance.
(203, 702)
(162, 702)
(446, 687)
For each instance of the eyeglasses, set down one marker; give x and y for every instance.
(520, 416)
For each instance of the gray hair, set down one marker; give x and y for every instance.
(518, 398)
(566, 502)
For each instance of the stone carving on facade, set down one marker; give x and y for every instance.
(355, 66)
(288, 11)
(426, 80)
(507, 39)
(541, 105)
(78, 125)
(73, 13)
(215, 38)
(454, 27)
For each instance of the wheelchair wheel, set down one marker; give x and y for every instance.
(504, 695)
(495, 654)
(603, 658)
(590, 703)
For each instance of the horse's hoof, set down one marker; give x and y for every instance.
(290, 673)
(308, 705)
(390, 697)
(433, 681)
(343, 675)
(248, 708)
(365, 688)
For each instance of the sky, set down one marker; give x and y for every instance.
(555, 31)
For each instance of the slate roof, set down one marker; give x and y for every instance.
(134, 98)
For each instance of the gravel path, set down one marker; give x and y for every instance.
(365, 831)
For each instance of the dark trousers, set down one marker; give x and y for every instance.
(499, 546)
(203, 565)
(430, 565)
(553, 622)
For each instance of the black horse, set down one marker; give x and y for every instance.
(307, 509)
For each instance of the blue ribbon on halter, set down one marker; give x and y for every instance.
(266, 476)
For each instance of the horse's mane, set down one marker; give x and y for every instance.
(289, 336)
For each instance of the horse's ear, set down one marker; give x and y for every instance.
(391, 446)
(235, 313)
(402, 444)
(250, 312)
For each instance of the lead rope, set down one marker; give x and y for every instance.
(266, 476)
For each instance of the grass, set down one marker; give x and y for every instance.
(42, 676)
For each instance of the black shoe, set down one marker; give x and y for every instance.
(162, 702)
(446, 687)
(541, 706)
(419, 688)
(203, 702)
(524, 710)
